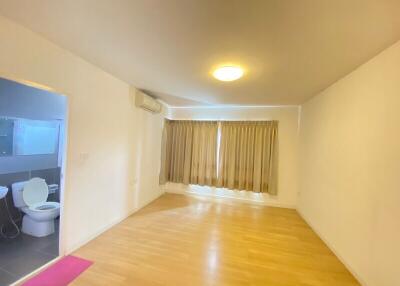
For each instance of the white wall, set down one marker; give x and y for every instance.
(107, 176)
(350, 168)
(288, 136)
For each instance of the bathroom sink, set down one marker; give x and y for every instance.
(3, 192)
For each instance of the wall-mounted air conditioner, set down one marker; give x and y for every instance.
(147, 102)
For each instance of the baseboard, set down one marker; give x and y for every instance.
(108, 226)
(249, 201)
(333, 249)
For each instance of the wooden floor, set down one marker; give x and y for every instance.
(181, 240)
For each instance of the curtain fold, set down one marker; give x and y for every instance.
(248, 156)
(189, 150)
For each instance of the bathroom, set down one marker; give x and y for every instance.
(32, 145)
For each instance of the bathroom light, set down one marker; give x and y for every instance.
(228, 73)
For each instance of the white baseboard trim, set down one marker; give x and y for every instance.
(245, 200)
(108, 226)
(333, 249)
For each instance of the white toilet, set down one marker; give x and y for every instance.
(31, 198)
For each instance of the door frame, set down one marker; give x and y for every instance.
(62, 187)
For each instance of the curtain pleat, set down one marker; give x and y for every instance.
(248, 156)
(189, 150)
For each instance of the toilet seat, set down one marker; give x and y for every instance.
(44, 207)
(35, 196)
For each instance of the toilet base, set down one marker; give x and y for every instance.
(37, 228)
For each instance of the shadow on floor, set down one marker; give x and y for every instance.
(173, 203)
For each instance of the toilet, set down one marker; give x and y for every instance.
(31, 198)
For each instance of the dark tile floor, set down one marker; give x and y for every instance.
(24, 254)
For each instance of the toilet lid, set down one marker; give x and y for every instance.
(35, 191)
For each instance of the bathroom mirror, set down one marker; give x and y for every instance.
(23, 137)
(6, 136)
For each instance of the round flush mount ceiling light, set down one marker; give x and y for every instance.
(228, 73)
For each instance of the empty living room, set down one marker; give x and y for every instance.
(200, 142)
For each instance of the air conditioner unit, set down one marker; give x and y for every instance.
(147, 102)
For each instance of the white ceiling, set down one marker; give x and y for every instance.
(291, 49)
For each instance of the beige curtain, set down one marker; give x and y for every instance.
(248, 156)
(189, 151)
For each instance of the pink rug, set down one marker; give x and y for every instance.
(61, 273)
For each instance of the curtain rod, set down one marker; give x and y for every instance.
(238, 120)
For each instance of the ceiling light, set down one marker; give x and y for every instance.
(228, 73)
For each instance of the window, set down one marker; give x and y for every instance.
(240, 155)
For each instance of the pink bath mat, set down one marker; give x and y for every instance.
(61, 273)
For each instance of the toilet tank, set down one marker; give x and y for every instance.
(17, 189)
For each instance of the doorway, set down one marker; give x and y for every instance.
(32, 166)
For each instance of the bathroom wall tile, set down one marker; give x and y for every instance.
(57, 175)
(15, 213)
(47, 174)
(8, 179)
